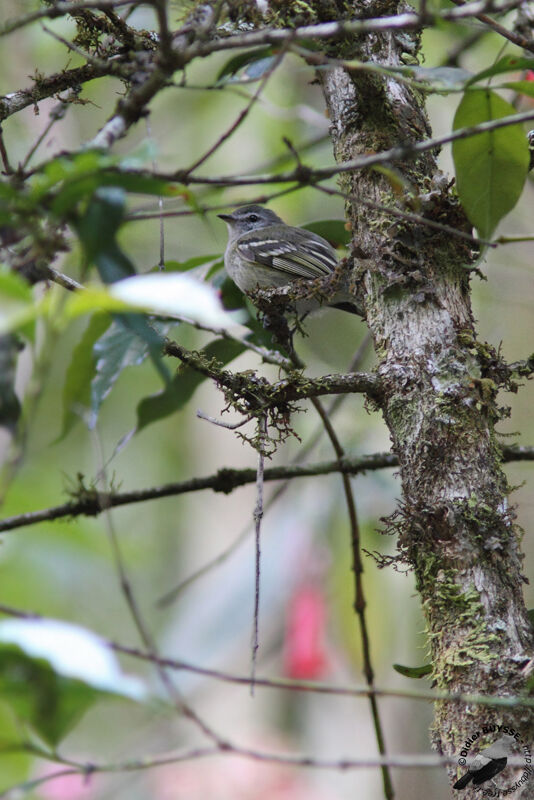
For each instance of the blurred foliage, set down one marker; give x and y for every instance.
(85, 358)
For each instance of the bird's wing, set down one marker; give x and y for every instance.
(306, 256)
(491, 769)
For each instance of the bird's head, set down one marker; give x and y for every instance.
(249, 218)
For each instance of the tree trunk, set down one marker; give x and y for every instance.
(455, 526)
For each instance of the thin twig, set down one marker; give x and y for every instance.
(258, 516)
(398, 153)
(359, 600)
(8, 169)
(231, 426)
(137, 617)
(243, 114)
(511, 36)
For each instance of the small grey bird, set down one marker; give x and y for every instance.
(264, 253)
(486, 764)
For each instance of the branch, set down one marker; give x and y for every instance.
(349, 28)
(92, 503)
(308, 176)
(515, 38)
(59, 9)
(52, 85)
(258, 394)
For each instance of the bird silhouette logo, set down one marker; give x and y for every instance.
(488, 763)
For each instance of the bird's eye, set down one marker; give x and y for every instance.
(253, 218)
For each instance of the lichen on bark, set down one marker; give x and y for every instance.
(455, 526)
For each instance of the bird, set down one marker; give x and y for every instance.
(263, 252)
(486, 764)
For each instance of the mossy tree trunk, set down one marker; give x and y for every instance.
(454, 523)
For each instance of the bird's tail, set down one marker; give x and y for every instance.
(462, 782)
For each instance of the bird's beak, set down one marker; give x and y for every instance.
(226, 217)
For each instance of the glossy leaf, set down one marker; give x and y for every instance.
(257, 61)
(491, 167)
(114, 351)
(505, 64)
(174, 294)
(80, 373)
(184, 384)
(97, 230)
(52, 671)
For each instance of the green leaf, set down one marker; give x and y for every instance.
(413, 672)
(9, 402)
(505, 64)
(491, 167)
(191, 263)
(441, 79)
(51, 671)
(14, 766)
(333, 230)
(115, 350)
(17, 307)
(14, 287)
(97, 230)
(171, 293)
(521, 87)
(250, 59)
(80, 373)
(183, 385)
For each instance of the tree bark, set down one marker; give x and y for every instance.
(454, 522)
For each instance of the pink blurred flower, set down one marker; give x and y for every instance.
(66, 787)
(305, 652)
(232, 778)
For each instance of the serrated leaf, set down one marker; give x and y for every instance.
(238, 63)
(413, 672)
(505, 64)
(183, 385)
(333, 230)
(51, 671)
(80, 373)
(114, 351)
(491, 167)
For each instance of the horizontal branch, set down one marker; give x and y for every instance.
(306, 175)
(317, 687)
(258, 394)
(60, 9)
(290, 684)
(52, 85)
(224, 480)
(337, 30)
